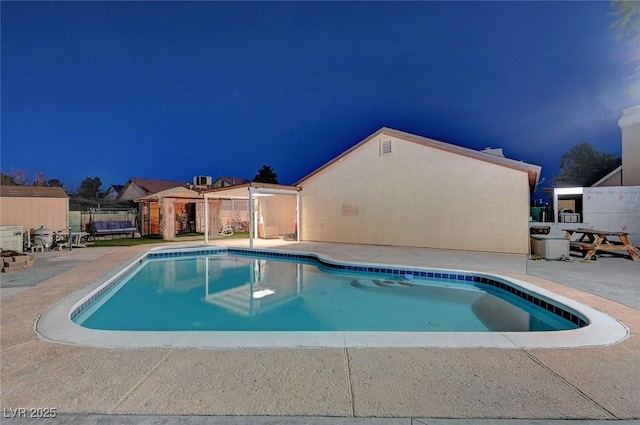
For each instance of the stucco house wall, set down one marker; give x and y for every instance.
(131, 192)
(32, 207)
(418, 196)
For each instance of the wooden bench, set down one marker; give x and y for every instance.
(584, 246)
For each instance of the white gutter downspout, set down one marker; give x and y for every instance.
(251, 217)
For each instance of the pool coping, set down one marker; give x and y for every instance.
(55, 324)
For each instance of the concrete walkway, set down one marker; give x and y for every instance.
(318, 386)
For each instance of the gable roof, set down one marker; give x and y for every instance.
(32, 192)
(153, 186)
(533, 171)
(115, 187)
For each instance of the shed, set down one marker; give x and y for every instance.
(34, 206)
(170, 212)
(400, 189)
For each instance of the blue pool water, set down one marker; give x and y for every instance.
(238, 292)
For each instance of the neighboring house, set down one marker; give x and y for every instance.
(229, 181)
(137, 188)
(396, 188)
(34, 206)
(112, 192)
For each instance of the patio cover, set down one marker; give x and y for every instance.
(250, 191)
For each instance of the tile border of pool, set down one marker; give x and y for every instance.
(56, 325)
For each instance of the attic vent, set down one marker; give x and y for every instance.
(386, 148)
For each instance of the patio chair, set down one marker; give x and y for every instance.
(225, 229)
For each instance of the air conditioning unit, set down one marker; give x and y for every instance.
(202, 181)
(11, 238)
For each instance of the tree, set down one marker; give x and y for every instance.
(54, 183)
(21, 178)
(7, 180)
(89, 187)
(266, 175)
(40, 179)
(626, 24)
(583, 165)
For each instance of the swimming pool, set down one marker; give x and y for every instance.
(235, 290)
(279, 298)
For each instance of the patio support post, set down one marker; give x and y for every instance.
(555, 207)
(206, 219)
(251, 217)
(298, 216)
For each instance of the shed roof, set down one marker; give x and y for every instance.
(32, 192)
(533, 171)
(155, 186)
(174, 192)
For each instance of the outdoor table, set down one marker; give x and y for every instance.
(600, 240)
(77, 240)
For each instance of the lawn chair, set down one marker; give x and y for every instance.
(227, 230)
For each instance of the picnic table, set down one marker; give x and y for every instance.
(591, 240)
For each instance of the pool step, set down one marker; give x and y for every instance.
(379, 283)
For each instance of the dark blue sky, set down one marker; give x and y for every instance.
(170, 90)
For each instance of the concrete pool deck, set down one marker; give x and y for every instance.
(595, 383)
